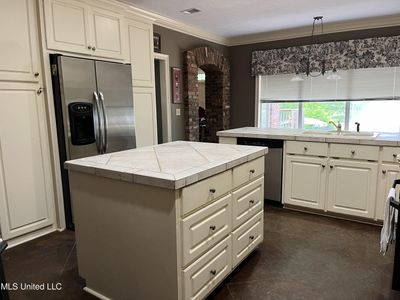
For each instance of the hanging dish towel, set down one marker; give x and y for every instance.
(387, 232)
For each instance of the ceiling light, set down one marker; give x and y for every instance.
(297, 77)
(334, 75)
(190, 11)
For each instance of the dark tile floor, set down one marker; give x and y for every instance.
(303, 256)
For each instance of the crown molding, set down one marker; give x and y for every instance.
(368, 23)
(360, 24)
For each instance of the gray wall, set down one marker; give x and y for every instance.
(175, 44)
(243, 84)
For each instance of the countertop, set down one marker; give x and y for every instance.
(383, 139)
(172, 165)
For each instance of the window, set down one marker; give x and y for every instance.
(368, 96)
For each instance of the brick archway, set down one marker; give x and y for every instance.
(217, 68)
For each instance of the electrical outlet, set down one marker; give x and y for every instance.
(178, 111)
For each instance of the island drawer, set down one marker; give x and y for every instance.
(247, 237)
(355, 151)
(389, 154)
(247, 201)
(205, 191)
(307, 148)
(247, 171)
(204, 228)
(200, 278)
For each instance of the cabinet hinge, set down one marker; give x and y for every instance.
(54, 71)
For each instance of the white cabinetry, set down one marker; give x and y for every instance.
(75, 26)
(19, 55)
(352, 187)
(141, 53)
(305, 181)
(388, 173)
(145, 116)
(26, 201)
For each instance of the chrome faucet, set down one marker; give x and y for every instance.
(358, 126)
(338, 126)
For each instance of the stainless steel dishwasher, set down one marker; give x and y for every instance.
(273, 166)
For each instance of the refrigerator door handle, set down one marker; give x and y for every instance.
(105, 123)
(97, 123)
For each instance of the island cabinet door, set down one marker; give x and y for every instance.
(388, 173)
(352, 187)
(26, 202)
(305, 181)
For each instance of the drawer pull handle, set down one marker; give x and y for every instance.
(251, 237)
(212, 191)
(212, 227)
(383, 171)
(305, 148)
(213, 272)
(251, 201)
(252, 171)
(353, 152)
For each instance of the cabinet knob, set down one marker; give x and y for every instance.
(93, 48)
(39, 91)
(36, 74)
(251, 201)
(383, 171)
(252, 171)
(331, 167)
(89, 47)
(394, 155)
(212, 227)
(323, 166)
(251, 237)
(305, 148)
(353, 152)
(212, 191)
(213, 272)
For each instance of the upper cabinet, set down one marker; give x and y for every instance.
(75, 26)
(141, 53)
(19, 58)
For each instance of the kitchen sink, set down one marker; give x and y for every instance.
(343, 134)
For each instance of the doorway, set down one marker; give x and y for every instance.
(163, 97)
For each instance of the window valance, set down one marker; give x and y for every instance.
(344, 55)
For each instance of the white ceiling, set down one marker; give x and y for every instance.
(233, 18)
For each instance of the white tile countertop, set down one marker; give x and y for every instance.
(171, 165)
(383, 139)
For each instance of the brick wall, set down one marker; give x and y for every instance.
(216, 67)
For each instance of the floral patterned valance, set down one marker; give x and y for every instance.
(353, 54)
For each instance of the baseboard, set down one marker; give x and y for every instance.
(30, 236)
(333, 215)
(96, 294)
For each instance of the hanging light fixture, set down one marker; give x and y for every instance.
(307, 69)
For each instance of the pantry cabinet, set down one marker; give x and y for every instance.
(26, 197)
(305, 181)
(352, 187)
(74, 26)
(145, 116)
(19, 59)
(141, 53)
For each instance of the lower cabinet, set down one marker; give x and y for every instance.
(26, 201)
(305, 181)
(388, 173)
(352, 187)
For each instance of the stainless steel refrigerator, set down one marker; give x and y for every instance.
(94, 111)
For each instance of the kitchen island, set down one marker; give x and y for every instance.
(169, 221)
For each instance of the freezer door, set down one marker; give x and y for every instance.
(114, 85)
(78, 84)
